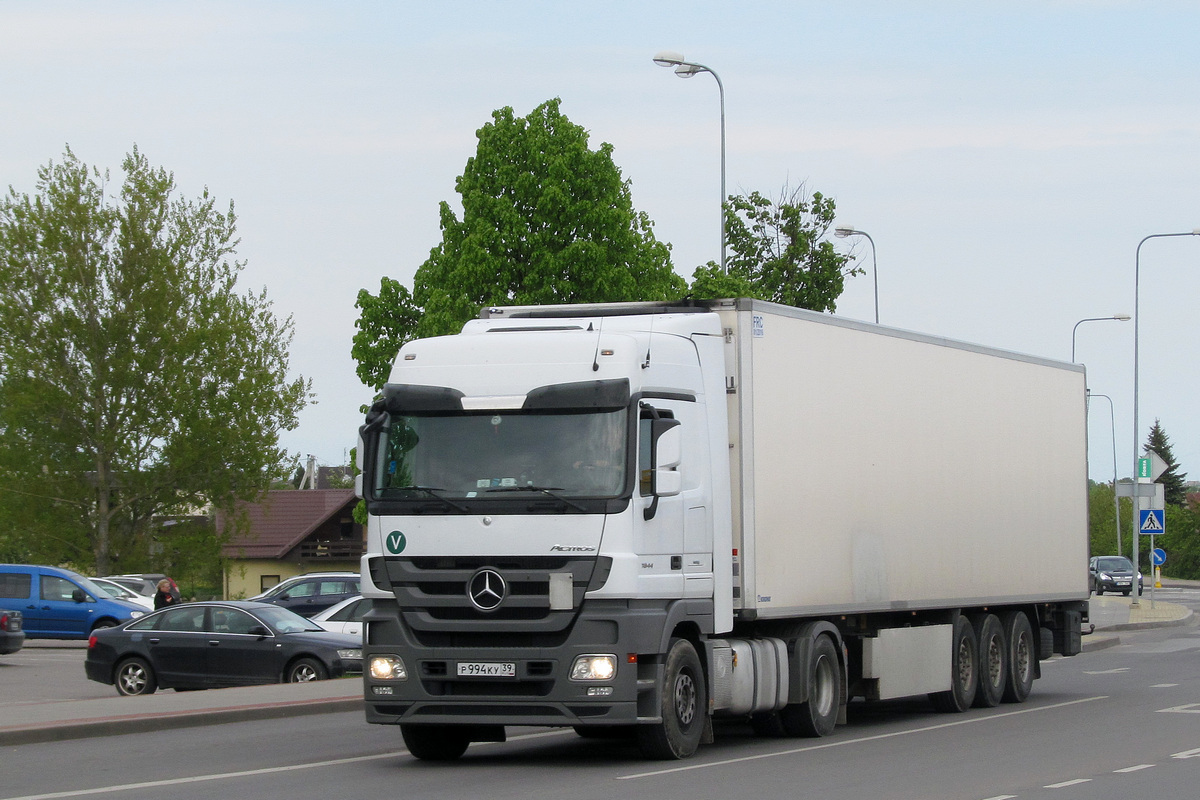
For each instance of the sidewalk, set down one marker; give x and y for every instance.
(74, 719)
(1114, 613)
(27, 723)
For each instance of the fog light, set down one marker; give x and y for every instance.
(383, 690)
(387, 668)
(594, 668)
(599, 691)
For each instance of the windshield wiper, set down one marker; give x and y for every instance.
(433, 492)
(550, 491)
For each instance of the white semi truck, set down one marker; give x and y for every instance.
(629, 519)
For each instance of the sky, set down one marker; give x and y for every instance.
(1006, 158)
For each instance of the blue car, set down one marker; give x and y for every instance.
(60, 604)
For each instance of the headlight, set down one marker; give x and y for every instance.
(1104, 576)
(353, 654)
(594, 668)
(136, 614)
(387, 668)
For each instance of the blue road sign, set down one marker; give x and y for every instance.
(1151, 523)
(1158, 556)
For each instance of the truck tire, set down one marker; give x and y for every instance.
(993, 661)
(964, 672)
(435, 742)
(818, 715)
(683, 706)
(1021, 654)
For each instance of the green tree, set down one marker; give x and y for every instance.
(135, 380)
(1174, 491)
(1102, 523)
(545, 219)
(779, 252)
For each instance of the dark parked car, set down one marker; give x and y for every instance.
(1113, 574)
(12, 635)
(308, 594)
(206, 645)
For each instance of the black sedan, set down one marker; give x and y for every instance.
(207, 645)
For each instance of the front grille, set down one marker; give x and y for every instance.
(431, 593)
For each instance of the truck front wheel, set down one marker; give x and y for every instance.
(435, 742)
(683, 705)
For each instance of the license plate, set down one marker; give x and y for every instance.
(487, 669)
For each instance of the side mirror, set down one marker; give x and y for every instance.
(259, 631)
(79, 596)
(284, 596)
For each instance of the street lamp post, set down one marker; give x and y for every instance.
(687, 69)
(1118, 317)
(1137, 268)
(1112, 423)
(842, 231)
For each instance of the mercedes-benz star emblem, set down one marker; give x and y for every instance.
(486, 590)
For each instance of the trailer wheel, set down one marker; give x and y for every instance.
(818, 715)
(993, 661)
(1021, 655)
(435, 742)
(683, 705)
(964, 675)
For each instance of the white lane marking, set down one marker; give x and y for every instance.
(1002, 797)
(1188, 754)
(246, 773)
(859, 740)
(1137, 768)
(1190, 708)
(1106, 671)
(1075, 782)
(1163, 685)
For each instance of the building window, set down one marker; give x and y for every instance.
(267, 581)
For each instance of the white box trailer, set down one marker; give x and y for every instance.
(905, 471)
(631, 518)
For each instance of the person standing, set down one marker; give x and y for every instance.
(164, 597)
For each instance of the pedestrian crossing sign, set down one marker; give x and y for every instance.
(1152, 522)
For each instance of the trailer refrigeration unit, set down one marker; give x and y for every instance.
(629, 519)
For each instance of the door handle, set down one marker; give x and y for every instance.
(214, 642)
(155, 641)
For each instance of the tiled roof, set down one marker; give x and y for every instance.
(282, 520)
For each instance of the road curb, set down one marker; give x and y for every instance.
(1186, 619)
(127, 723)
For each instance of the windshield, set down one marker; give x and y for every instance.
(285, 621)
(489, 454)
(1115, 564)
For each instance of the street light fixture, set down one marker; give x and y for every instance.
(1137, 269)
(688, 69)
(1118, 317)
(842, 231)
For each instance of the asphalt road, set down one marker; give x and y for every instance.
(1112, 723)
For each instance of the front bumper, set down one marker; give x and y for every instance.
(540, 691)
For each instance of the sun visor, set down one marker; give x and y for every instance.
(610, 395)
(407, 399)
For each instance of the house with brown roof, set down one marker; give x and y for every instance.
(289, 533)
